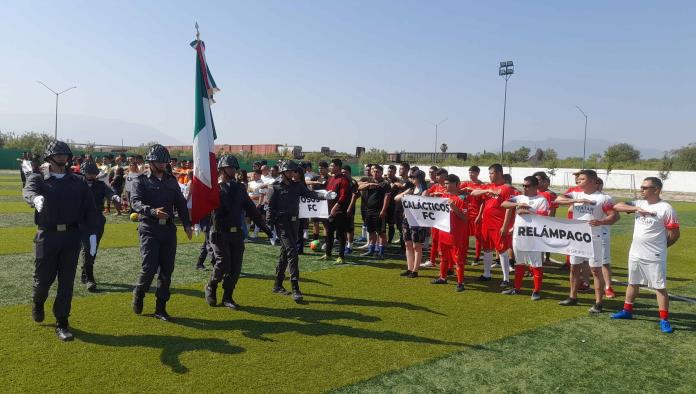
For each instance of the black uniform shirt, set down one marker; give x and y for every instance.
(233, 200)
(100, 191)
(374, 197)
(66, 201)
(150, 193)
(285, 199)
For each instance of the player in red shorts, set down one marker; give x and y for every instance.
(474, 208)
(454, 244)
(496, 223)
(436, 190)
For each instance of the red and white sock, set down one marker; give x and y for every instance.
(664, 315)
(628, 307)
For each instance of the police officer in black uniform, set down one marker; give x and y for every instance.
(283, 210)
(226, 236)
(155, 196)
(99, 191)
(64, 210)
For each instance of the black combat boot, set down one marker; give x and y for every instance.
(37, 312)
(138, 302)
(227, 300)
(161, 310)
(296, 293)
(90, 282)
(279, 289)
(211, 293)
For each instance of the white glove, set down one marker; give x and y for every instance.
(116, 199)
(93, 245)
(38, 203)
(331, 196)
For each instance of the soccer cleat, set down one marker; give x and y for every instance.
(484, 278)
(439, 281)
(609, 293)
(460, 287)
(64, 334)
(229, 303)
(596, 308)
(413, 274)
(281, 290)
(665, 327)
(505, 283)
(37, 312)
(339, 261)
(405, 273)
(569, 302)
(512, 291)
(536, 296)
(622, 314)
(210, 296)
(427, 264)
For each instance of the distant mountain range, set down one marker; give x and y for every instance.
(85, 129)
(573, 147)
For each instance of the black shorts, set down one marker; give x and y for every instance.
(351, 222)
(374, 223)
(414, 234)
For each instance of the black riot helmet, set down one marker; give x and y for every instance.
(228, 161)
(289, 166)
(157, 153)
(89, 167)
(56, 147)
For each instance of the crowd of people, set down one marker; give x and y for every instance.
(69, 195)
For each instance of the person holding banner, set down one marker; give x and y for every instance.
(436, 189)
(597, 208)
(414, 237)
(524, 204)
(496, 223)
(656, 229)
(454, 245)
(377, 202)
(337, 223)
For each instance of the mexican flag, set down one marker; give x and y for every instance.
(205, 194)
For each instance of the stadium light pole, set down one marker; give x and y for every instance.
(436, 126)
(55, 131)
(584, 144)
(505, 70)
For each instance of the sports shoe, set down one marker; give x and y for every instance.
(339, 260)
(65, 335)
(427, 264)
(296, 295)
(281, 290)
(596, 308)
(622, 314)
(413, 274)
(484, 278)
(512, 291)
(439, 281)
(505, 283)
(229, 303)
(609, 293)
(405, 273)
(569, 302)
(348, 251)
(536, 296)
(666, 327)
(37, 312)
(460, 287)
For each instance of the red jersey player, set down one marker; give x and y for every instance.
(474, 207)
(454, 244)
(496, 223)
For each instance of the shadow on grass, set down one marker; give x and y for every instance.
(172, 346)
(336, 300)
(255, 329)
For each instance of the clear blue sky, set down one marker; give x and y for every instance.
(370, 73)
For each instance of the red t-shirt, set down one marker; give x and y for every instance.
(459, 228)
(473, 202)
(341, 185)
(493, 214)
(436, 190)
(550, 197)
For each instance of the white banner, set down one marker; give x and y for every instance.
(427, 212)
(545, 234)
(313, 208)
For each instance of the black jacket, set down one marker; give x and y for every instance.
(150, 193)
(233, 201)
(285, 200)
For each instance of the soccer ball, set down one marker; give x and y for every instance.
(315, 245)
(134, 217)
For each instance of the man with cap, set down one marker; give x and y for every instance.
(226, 236)
(155, 196)
(64, 210)
(99, 191)
(283, 212)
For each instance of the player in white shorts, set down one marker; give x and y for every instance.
(528, 203)
(656, 228)
(597, 208)
(606, 247)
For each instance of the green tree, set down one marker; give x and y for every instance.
(665, 167)
(685, 158)
(374, 155)
(30, 141)
(550, 154)
(622, 153)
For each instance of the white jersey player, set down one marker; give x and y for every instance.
(656, 228)
(591, 205)
(528, 203)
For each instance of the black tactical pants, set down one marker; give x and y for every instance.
(88, 259)
(287, 233)
(206, 248)
(337, 225)
(228, 249)
(56, 255)
(158, 251)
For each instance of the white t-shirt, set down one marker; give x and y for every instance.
(130, 178)
(603, 205)
(650, 232)
(537, 205)
(254, 189)
(26, 166)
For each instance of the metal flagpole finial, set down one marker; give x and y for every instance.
(198, 33)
